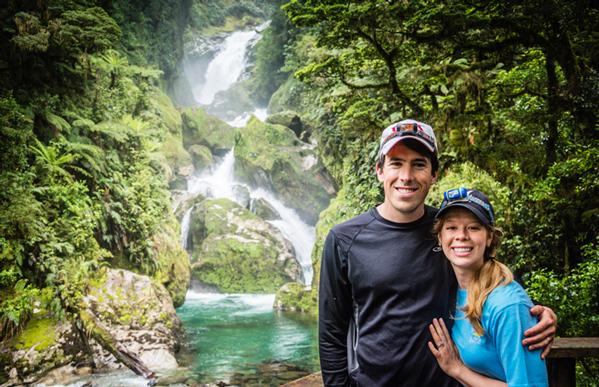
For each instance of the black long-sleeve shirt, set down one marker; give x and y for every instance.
(381, 284)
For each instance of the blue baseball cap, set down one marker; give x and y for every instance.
(470, 199)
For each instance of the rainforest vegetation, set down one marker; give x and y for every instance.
(87, 127)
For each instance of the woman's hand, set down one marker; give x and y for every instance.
(444, 349)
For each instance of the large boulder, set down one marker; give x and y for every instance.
(200, 128)
(272, 155)
(237, 252)
(130, 311)
(43, 345)
(293, 121)
(138, 314)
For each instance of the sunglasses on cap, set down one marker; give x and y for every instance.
(411, 129)
(469, 199)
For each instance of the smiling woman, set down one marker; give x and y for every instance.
(492, 311)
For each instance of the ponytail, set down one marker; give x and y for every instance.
(491, 275)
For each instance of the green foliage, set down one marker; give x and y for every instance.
(268, 73)
(295, 297)
(470, 176)
(15, 134)
(85, 31)
(511, 90)
(571, 295)
(50, 44)
(82, 180)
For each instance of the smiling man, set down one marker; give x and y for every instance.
(383, 277)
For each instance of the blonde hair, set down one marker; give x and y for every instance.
(491, 275)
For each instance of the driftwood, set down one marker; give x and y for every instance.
(101, 335)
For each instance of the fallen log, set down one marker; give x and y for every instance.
(103, 337)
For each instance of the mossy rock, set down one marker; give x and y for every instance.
(168, 113)
(296, 297)
(272, 155)
(178, 183)
(233, 102)
(133, 312)
(174, 271)
(264, 210)
(39, 332)
(235, 265)
(293, 121)
(236, 251)
(44, 344)
(176, 156)
(200, 128)
(201, 156)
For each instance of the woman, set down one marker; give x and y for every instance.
(492, 310)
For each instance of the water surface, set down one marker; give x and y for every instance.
(240, 340)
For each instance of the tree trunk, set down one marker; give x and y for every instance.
(552, 110)
(107, 341)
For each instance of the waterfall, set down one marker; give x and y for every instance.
(242, 120)
(228, 65)
(185, 227)
(219, 184)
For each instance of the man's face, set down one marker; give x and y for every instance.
(406, 177)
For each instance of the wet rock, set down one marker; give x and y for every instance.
(173, 271)
(200, 128)
(273, 154)
(237, 252)
(264, 210)
(43, 345)
(293, 121)
(201, 156)
(241, 193)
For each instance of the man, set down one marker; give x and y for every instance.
(383, 277)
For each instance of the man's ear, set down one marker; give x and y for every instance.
(379, 172)
(434, 180)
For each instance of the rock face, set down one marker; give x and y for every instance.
(236, 251)
(272, 156)
(293, 121)
(200, 128)
(43, 345)
(173, 271)
(137, 313)
(264, 210)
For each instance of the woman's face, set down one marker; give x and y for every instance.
(464, 239)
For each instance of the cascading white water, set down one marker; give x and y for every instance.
(226, 67)
(242, 120)
(294, 229)
(185, 227)
(219, 184)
